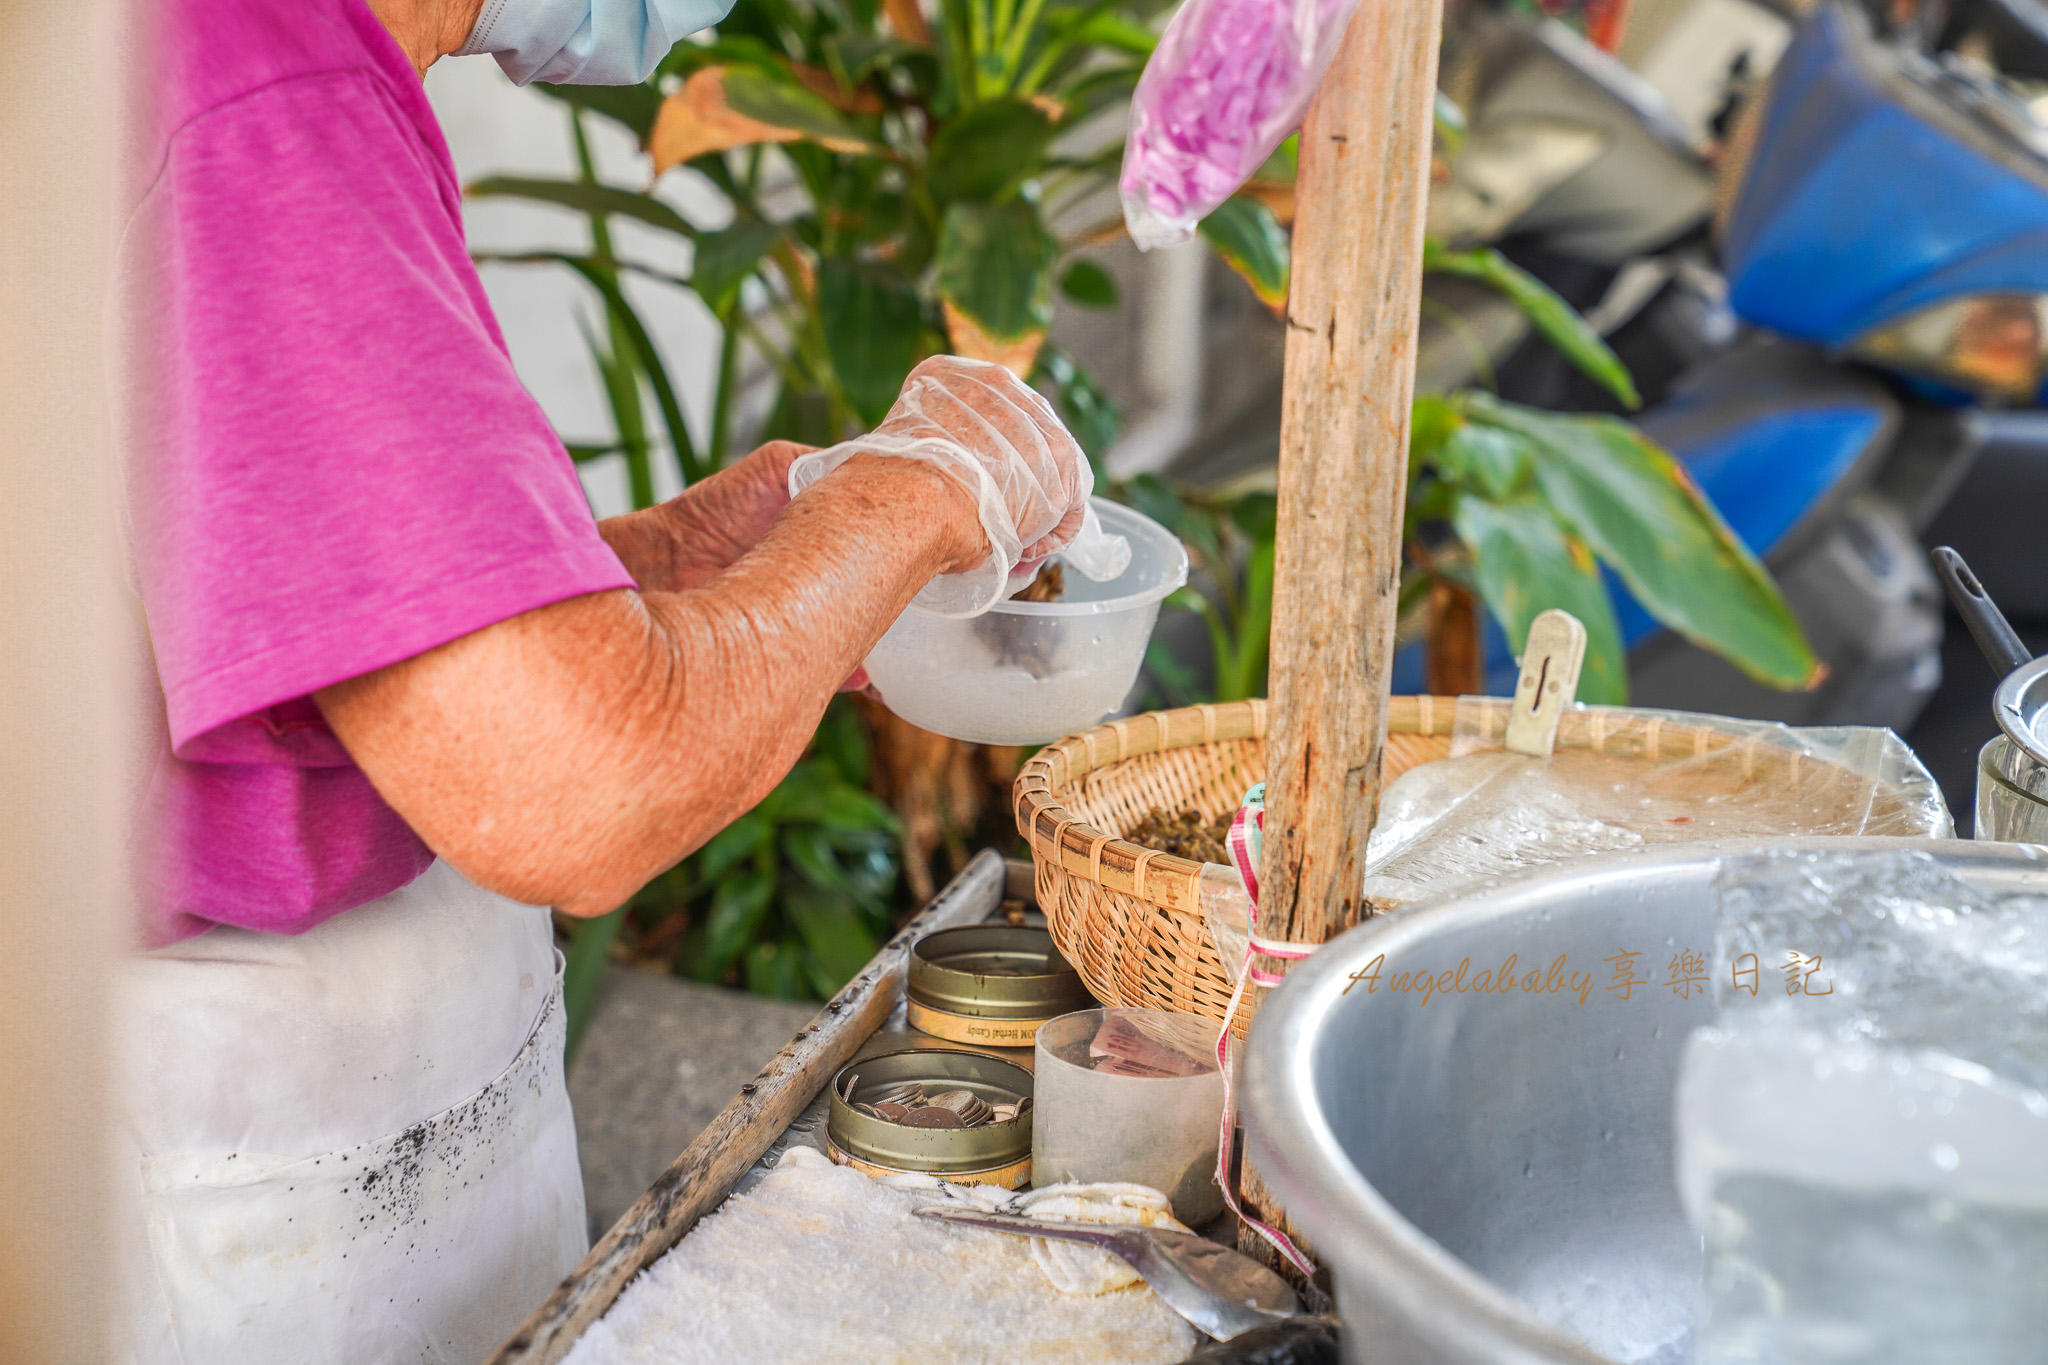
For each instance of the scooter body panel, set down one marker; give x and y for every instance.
(1869, 197)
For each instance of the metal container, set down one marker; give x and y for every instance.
(992, 1154)
(2021, 704)
(2012, 794)
(990, 985)
(1491, 1177)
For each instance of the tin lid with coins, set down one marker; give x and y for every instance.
(990, 984)
(960, 1115)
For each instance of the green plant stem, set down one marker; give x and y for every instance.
(728, 367)
(1018, 39)
(622, 376)
(590, 947)
(1058, 45)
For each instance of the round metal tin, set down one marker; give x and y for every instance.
(955, 1153)
(994, 971)
(1014, 1176)
(972, 1029)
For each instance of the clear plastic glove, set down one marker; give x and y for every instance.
(1228, 82)
(1001, 440)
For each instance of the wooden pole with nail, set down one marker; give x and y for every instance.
(1352, 310)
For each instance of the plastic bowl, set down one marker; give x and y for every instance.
(1029, 672)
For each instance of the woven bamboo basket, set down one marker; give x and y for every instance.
(1130, 918)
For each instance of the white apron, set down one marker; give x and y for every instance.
(353, 1145)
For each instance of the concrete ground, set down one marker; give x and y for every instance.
(660, 1058)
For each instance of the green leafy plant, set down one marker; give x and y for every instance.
(1520, 507)
(886, 191)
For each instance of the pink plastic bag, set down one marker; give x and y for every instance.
(1226, 85)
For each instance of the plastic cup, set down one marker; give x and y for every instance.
(1090, 1124)
(1030, 672)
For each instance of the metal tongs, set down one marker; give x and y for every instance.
(1217, 1289)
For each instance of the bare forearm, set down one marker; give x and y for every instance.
(567, 755)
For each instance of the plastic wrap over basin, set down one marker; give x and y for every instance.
(1489, 1177)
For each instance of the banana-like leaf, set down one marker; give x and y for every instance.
(1491, 461)
(632, 105)
(872, 322)
(767, 96)
(852, 57)
(741, 839)
(984, 154)
(1089, 413)
(1557, 321)
(777, 970)
(1250, 239)
(738, 907)
(1089, 285)
(1116, 32)
(724, 259)
(582, 197)
(1643, 516)
(834, 932)
(1523, 564)
(995, 265)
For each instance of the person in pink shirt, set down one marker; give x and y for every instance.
(413, 693)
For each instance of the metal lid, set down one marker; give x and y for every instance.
(2022, 706)
(994, 971)
(938, 1150)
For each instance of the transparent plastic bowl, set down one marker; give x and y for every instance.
(1030, 672)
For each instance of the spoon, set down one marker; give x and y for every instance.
(1211, 1286)
(2022, 694)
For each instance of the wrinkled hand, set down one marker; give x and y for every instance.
(690, 538)
(1000, 440)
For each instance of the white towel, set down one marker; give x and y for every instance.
(820, 1263)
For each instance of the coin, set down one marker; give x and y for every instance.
(887, 1109)
(931, 1116)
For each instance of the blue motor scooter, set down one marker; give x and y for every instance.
(1883, 239)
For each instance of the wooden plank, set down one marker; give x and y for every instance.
(1351, 320)
(700, 1178)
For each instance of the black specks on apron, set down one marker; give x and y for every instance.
(409, 1174)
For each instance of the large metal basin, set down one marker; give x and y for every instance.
(1490, 1176)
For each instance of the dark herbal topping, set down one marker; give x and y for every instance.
(1049, 586)
(1186, 835)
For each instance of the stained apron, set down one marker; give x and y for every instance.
(353, 1145)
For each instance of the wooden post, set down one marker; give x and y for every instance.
(1351, 319)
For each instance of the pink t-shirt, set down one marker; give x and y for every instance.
(335, 467)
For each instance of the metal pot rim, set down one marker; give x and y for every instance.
(2021, 701)
(1287, 1133)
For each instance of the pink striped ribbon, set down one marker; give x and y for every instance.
(1247, 837)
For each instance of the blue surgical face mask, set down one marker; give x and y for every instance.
(587, 42)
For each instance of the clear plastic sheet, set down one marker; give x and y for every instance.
(1638, 778)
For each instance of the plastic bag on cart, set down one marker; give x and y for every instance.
(1640, 778)
(1228, 82)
